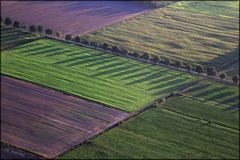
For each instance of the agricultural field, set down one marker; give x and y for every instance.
(179, 33)
(11, 37)
(215, 92)
(115, 81)
(76, 17)
(180, 128)
(47, 123)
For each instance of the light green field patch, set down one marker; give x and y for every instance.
(105, 78)
(181, 128)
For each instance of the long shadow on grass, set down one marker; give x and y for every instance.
(148, 77)
(45, 51)
(86, 59)
(220, 96)
(167, 83)
(101, 61)
(114, 70)
(197, 88)
(209, 92)
(29, 45)
(230, 100)
(35, 49)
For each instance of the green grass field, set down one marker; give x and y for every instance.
(105, 78)
(11, 37)
(180, 34)
(216, 92)
(181, 128)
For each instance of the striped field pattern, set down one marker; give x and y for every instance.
(115, 81)
(11, 37)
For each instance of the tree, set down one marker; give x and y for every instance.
(211, 71)
(223, 75)
(86, 42)
(156, 58)
(16, 24)
(167, 61)
(146, 56)
(178, 63)
(39, 28)
(199, 69)
(49, 32)
(68, 37)
(8, 21)
(116, 49)
(58, 34)
(125, 52)
(135, 54)
(235, 79)
(77, 39)
(105, 46)
(95, 44)
(33, 28)
(189, 67)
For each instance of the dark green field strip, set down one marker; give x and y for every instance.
(11, 37)
(209, 90)
(178, 34)
(176, 129)
(119, 82)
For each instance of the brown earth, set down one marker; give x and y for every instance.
(46, 122)
(71, 17)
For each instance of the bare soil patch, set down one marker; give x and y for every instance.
(71, 17)
(47, 123)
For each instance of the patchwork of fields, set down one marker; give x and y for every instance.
(56, 95)
(12, 37)
(178, 33)
(181, 128)
(118, 82)
(46, 122)
(71, 17)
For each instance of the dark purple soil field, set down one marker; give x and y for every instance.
(73, 17)
(46, 122)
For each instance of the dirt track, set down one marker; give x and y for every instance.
(46, 122)
(72, 17)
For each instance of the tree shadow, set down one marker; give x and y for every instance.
(197, 88)
(45, 51)
(219, 96)
(209, 92)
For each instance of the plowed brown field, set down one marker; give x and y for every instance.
(71, 17)
(46, 122)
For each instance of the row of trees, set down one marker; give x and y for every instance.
(211, 71)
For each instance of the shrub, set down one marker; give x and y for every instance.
(223, 75)
(162, 100)
(199, 69)
(16, 24)
(58, 34)
(49, 32)
(235, 79)
(173, 94)
(8, 21)
(189, 67)
(211, 71)
(39, 28)
(68, 37)
(77, 39)
(146, 56)
(33, 28)
(178, 64)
